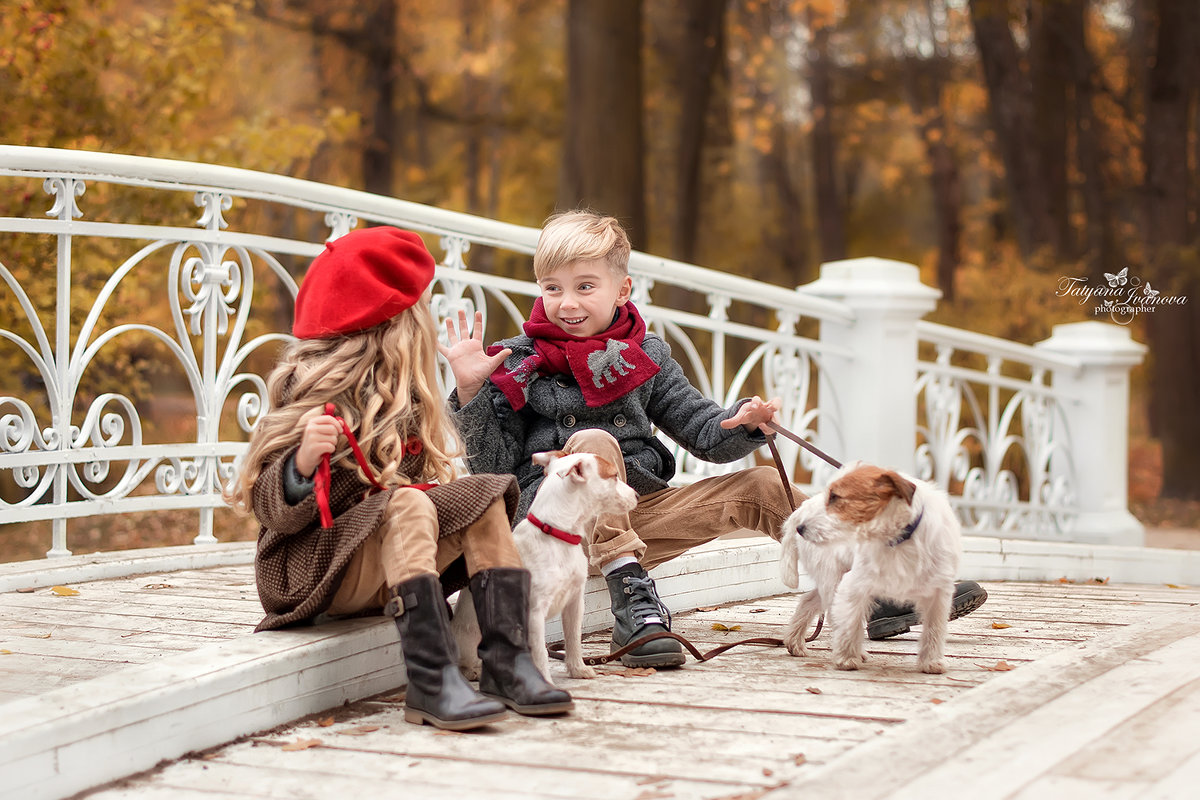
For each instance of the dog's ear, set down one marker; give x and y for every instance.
(576, 472)
(543, 459)
(605, 468)
(904, 488)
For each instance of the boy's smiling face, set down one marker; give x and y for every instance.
(582, 296)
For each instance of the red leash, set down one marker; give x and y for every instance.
(323, 477)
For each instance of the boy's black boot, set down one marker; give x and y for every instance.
(501, 598)
(638, 611)
(888, 619)
(437, 692)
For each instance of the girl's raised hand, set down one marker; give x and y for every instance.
(320, 437)
(469, 362)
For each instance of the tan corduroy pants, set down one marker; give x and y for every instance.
(408, 544)
(672, 521)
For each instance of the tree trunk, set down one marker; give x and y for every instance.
(702, 52)
(923, 88)
(830, 210)
(1102, 249)
(379, 40)
(1050, 65)
(603, 146)
(1174, 331)
(1010, 108)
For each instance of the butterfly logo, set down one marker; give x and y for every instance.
(1120, 279)
(1150, 292)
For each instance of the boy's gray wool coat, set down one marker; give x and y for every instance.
(501, 440)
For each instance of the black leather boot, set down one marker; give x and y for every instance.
(501, 597)
(637, 611)
(437, 692)
(888, 620)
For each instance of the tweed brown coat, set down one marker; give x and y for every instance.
(299, 564)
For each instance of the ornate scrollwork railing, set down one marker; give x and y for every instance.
(997, 440)
(222, 285)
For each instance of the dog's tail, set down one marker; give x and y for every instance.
(789, 564)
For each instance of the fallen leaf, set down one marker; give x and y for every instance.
(1100, 581)
(27, 590)
(448, 733)
(812, 690)
(652, 779)
(1000, 666)
(800, 759)
(654, 794)
(5, 652)
(301, 744)
(37, 636)
(361, 730)
(325, 723)
(757, 610)
(716, 626)
(1064, 579)
(937, 701)
(637, 672)
(1175, 586)
(708, 608)
(767, 772)
(395, 698)
(64, 591)
(158, 586)
(1000, 625)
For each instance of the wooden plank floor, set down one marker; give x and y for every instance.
(49, 640)
(1029, 677)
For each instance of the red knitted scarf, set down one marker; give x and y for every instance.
(607, 366)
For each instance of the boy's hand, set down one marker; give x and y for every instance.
(469, 362)
(320, 437)
(755, 414)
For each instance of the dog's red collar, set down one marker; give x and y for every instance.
(557, 533)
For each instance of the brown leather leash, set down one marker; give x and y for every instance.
(556, 649)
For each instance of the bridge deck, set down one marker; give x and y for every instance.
(1055, 689)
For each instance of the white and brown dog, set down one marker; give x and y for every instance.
(873, 533)
(577, 489)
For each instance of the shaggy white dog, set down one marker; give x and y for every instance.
(577, 489)
(873, 533)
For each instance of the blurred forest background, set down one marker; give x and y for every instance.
(998, 144)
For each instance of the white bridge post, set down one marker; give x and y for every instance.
(873, 387)
(1099, 426)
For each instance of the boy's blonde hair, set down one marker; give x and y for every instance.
(383, 382)
(580, 236)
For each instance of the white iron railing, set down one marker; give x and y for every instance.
(227, 273)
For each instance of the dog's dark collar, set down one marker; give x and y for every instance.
(557, 533)
(908, 530)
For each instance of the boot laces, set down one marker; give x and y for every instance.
(644, 601)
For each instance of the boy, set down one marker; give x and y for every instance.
(588, 377)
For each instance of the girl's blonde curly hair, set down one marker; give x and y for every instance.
(383, 382)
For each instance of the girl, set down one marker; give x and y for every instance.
(350, 475)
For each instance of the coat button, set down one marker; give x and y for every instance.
(568, 420)
(619, 420)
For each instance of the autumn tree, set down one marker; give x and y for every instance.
(603, 145)
(1172, 242)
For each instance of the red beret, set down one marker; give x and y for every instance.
(361, 279)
